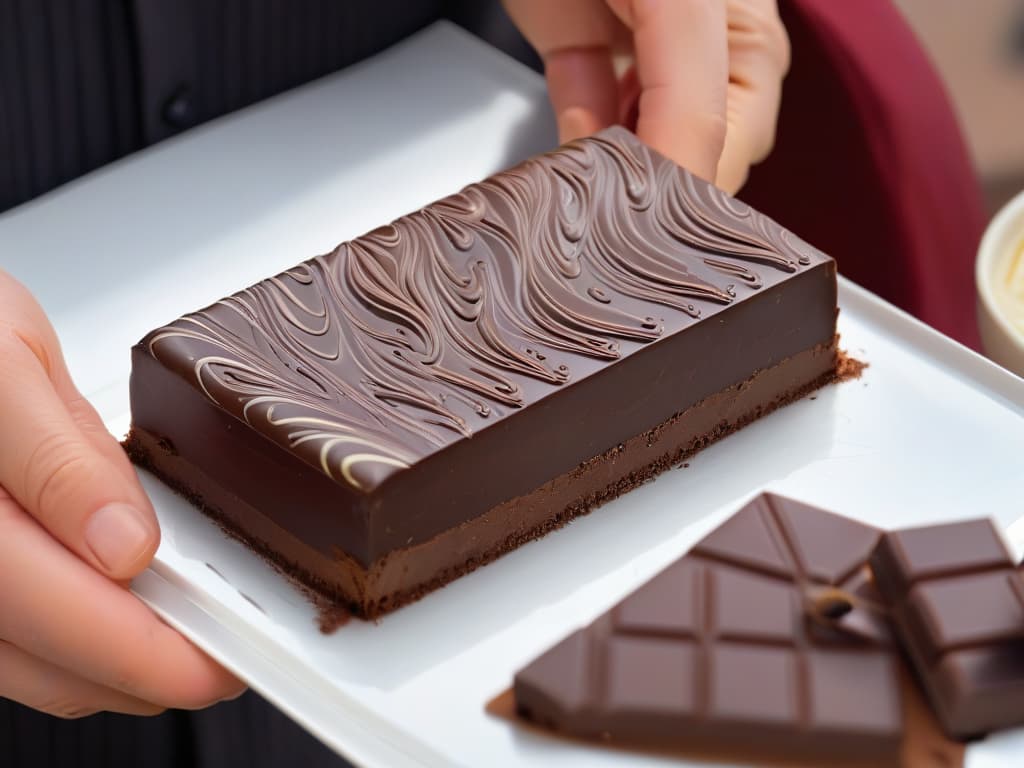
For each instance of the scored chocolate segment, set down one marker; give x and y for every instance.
(918, 554)
(828, 548)
(733, 649)
(955, 596)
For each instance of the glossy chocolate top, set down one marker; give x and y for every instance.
(958, 602)
(367, 359)
(764, 638)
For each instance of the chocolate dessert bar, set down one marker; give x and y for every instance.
(956, 598)
(765, 642)
(386, 417)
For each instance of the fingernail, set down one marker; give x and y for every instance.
(118, 535)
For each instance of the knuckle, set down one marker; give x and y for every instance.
(756, 27)
(767, 25)
(17, 342)
(54, 471)
(59, 697)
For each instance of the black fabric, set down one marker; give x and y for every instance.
(251, 729)
(83, 82)
(67, 92)
(31, 740)
(246, 732)
(200, 59)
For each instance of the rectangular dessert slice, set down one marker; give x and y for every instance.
(386, 417)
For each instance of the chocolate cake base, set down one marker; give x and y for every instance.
(406, 574)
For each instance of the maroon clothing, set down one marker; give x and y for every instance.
(869, 163)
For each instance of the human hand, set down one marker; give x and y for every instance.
(75, 526)
(705, 84)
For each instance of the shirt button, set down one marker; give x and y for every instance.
(179, 109)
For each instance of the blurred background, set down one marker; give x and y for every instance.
(978, 47)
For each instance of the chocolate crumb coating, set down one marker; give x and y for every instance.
(766, 640)
(956, 598)
(352, 416)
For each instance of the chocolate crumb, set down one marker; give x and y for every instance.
(848, 368)
(331, 616)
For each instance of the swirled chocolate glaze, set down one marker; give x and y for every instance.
(368, 359)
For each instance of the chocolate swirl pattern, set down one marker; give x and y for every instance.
(421, 332)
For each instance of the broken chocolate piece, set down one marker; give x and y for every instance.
(954, 594)
(740, 645)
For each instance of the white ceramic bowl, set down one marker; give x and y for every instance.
(1004, 239)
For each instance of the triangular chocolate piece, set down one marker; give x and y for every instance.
(727, 665)
(668, 604)
(749, 539)
(828, 547)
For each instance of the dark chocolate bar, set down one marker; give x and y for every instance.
(955, 596)
(386, 417)
(764, 642)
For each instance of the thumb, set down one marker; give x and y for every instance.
(73, 481)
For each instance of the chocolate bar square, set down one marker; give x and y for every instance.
(954, 593)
